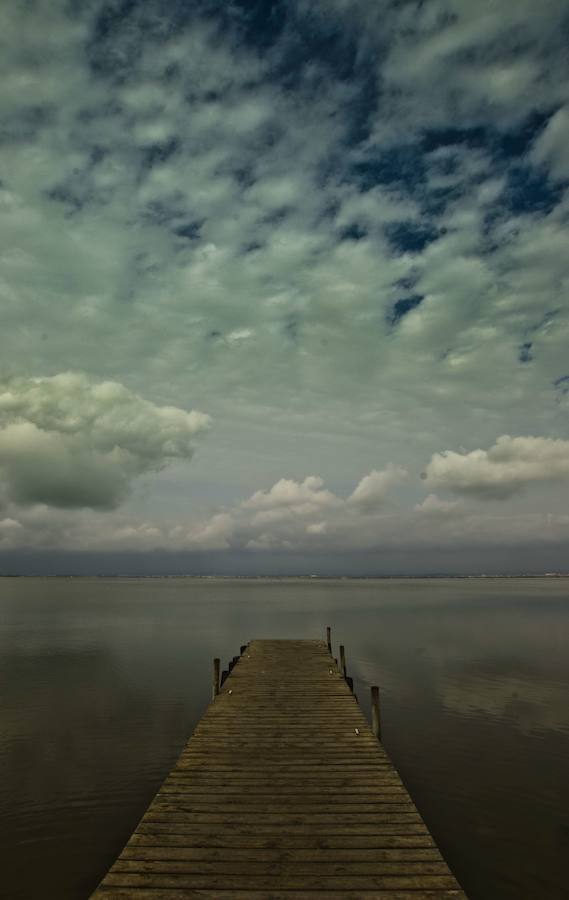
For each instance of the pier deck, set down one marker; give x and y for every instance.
(282, 792)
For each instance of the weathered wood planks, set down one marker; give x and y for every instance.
(282, 792)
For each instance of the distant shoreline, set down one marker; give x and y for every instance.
(288, 577)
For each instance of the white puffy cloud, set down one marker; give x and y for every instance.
(288, 496)
(370, 493)
(67, 441)
(434, 506)
(297, 524)
(214, 534)
(300, 515)
(503, 470)
(293, 512)
(290, 515)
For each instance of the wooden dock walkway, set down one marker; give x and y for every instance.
(283, 791)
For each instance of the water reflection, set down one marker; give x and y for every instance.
(528, 706)
(104, 680)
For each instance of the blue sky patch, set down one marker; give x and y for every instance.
(402, 165)
(159, 153)
(562, 384)
(353, 232)
(435, 138)
(402, 307)
(190, 230)
(410, 237)
(518, 141)
(529, 190)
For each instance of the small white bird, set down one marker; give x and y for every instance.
(357, 730)
(229, 692)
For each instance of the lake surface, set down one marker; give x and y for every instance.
(103, 681)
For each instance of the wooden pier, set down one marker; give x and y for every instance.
(283, 791)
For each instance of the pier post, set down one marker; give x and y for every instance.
(343, 660)
(375, 721)
(242, 649)
(215, 679)
(329, 639)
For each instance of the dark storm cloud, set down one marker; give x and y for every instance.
(70, 443)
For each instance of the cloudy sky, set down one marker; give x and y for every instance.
(284, 286)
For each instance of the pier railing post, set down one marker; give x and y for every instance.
(215, 678)
(329, 639)
(375, 720)
(343, 660)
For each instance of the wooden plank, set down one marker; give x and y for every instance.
(325, 868)
(206, 839)
(281, 786)
(176, 852)
(305, 833)
(365, 756)
(276, 820)
(254, 894)
(273, 882)
(282, 791)
(371, 778)
(288, 789)
(220, 764)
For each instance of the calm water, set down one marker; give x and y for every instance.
(103, 681)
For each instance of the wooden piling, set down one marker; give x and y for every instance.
(343, 660)
(329, 639)
(375, 720)
(215, 678)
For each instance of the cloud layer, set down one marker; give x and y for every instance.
(338, 227)
(510, 465)
(66, 441)
(298, 517)
(152, 207)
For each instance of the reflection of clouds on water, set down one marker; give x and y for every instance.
(528, 707)
(365, 669)
(73, 716)
(487, 660)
